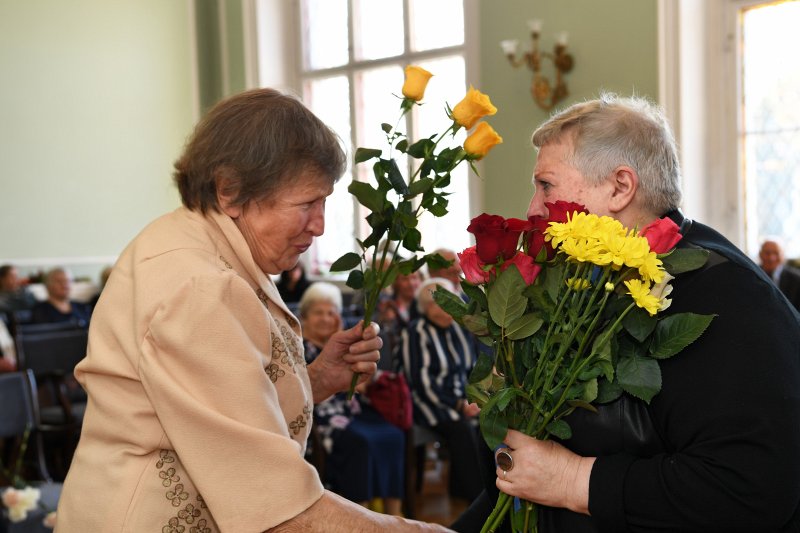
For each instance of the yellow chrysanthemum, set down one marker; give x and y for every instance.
(652, 268)
(640, 292)
(582, 250)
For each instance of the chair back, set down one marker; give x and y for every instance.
(16, 404)
(51, 352)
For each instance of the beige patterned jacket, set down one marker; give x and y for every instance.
(199, 400)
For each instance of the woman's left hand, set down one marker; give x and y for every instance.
(546, 472)
(353, 350)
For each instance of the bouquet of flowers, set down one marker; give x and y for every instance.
(571, 306)
(395, 204)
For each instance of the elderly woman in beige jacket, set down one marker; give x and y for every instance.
(200, 401)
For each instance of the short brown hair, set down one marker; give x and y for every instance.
(259, 140)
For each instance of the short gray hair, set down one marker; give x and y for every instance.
(425, 292)
(320, 291)
(612, 131)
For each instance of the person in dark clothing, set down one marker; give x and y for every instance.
(716, 449)
(59, 307)
(293, 283)
(786, 277)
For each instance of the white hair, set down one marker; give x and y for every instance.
(320, 291)
(425, 292)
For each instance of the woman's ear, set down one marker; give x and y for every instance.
(226, 192)
(625, 181)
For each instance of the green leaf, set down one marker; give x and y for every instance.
(396, 178)
(506, 302)
(494, 419)
(420, 186)
(553, 280)
(391, 275)
(607, 391)
(684, 260)
(475, 294)
(676, 332)
(559, 429)
(387, 128)
(639, 323)
(412, 240)
(476, 395)
(585, 404)
(355, 280)
(640, 377)
(482, 369)
(436, 261)
(421, 148)
(477, 324)
(524, 326)
(348, 261)
(402, 146)
(365, 154)
(367, 195)
(439, 209)
(450, 303)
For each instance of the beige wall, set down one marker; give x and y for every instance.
(98, 96)
(614, 46)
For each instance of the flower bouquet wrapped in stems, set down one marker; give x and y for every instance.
(396, 204)
(572, 307)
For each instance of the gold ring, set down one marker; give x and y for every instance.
(504, 460)
(504, 475)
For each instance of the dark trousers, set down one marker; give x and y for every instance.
(461, 441)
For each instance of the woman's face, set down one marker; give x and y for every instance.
(278, 230)
(321, 321)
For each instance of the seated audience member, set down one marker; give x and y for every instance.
(364, 452)
(104, 274)
(14, 295)
(436, 355)
(292, 283)
(8, 353)
(397, 308)
(452, 273)
(58, 307)
(785, 276)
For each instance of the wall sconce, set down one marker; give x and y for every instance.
(543, 94)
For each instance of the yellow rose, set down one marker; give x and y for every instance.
(480, 141)
(472, 108)
(416, 82)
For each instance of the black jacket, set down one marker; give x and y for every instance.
(718, 449)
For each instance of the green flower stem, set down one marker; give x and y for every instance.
(499, 512)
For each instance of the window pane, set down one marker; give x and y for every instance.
(436, 24)
(447, 85)
(325, 33)
(771, 81)
(378, 28)
(329, 99)
(377, 104)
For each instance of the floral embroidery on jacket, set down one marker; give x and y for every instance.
(292, 346)
(191, 514)
(225, 262)
(274, 371)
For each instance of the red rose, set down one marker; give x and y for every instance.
(495, 237)
(526, 266)
(472, 267)
(558, 210)
(662, 234)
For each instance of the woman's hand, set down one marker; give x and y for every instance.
(352, 350)
(547, 473)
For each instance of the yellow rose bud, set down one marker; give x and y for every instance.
(472, 108)
(416, 82)
(480, 141)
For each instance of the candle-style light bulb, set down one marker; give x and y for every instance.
(509, 46)
(535, 25)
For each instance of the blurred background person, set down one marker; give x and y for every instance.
(365, 454)
(773, 261)
(104, 275)
(292, 284)
(59, 307)
(14, 294)
(436, 355)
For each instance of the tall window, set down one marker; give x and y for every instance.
(770, 130)
(352, 61)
